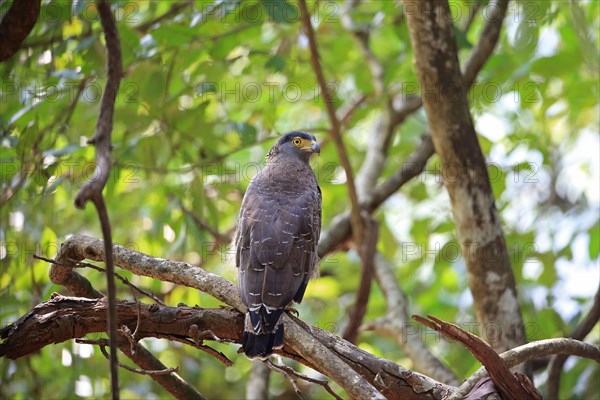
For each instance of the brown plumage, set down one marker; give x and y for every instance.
(276, 240)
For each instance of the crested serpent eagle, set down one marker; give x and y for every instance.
(276, 240)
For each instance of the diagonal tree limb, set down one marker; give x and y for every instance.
(557, 362)
(360, 230)
(487, 41)
(530, 351)
(62, 273)
(64, 318)
(340, 227)
(333, 120)
(511, 386)
(402, 107)
(394, 324)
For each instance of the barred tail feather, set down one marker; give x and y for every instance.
(262, 345)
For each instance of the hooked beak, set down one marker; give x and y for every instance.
(314, 146)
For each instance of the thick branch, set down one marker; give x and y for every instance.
(16, 25)
(478, 228)
(511, 386)
(532, 351)
(64, 318)
(349, 366)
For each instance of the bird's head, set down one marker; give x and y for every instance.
(296, 144)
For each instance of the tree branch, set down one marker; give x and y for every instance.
(360, 230)
(63, 318)
(530, 351)
(353, 369)
(92, 189)
(394, 324)
(16, 25)
(511, 386)
(309, 345)
(557, 362)
(487, 41)
(333, 120)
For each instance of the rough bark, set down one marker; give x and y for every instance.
(477, 222)
(354, 370)
(512, 386)
(64, 318)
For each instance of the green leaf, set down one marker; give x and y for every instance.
(594, 247)
(281, 11)
(276, 63)
(461, 39)
(246, 132)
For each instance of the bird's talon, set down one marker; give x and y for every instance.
(293, 311)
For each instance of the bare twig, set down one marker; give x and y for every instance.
(288, 372)
(557, 362)
(333, 120)
(175, 10)
(207, 349)
(219, 237)
(288, 376)
(102, 343)
(100, 269)
(357, 313)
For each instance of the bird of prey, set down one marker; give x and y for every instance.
(276, 240)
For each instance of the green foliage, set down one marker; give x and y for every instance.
(207, 91)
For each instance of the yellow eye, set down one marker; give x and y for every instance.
(297, 141)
